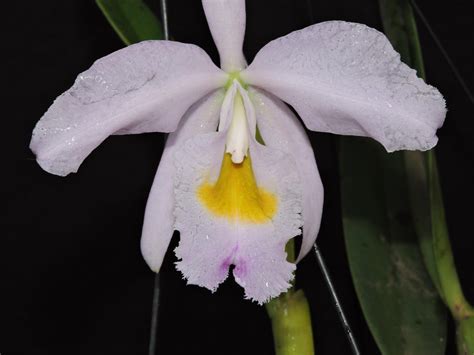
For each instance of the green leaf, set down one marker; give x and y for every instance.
(397, 296)
(131, 19)
(423, 178)
(379, 228)
(400, 27)
(420, 204)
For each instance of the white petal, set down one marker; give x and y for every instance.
(227, 108)
(346, 78)
(210, 244)
(249, 110)
(226, 19)
(146, 87)
(280, 129)
(158, 225)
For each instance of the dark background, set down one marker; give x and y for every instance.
(72, 280)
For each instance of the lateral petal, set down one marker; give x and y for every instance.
(281, 129)
(346, 78)
(226, 19)
(146, 87)
(158, 224)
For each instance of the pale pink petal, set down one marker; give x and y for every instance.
(280, 129)
(146, 87)
(210, 244)
(158, 225)
(346, 78)
(227, 110)
(249, 109)
(226, 19)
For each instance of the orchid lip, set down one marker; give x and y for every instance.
(236, 196)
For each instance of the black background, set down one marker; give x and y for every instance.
(72, 280)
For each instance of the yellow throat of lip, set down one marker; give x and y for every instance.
(236, 196)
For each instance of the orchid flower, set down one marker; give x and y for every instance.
(238, 178)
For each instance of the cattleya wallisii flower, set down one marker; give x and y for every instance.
(235, 199)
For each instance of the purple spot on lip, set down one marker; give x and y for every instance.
(240, 270)
(225, 264)
(229, 260)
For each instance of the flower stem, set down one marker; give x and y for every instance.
(164, 19)
(336, 302)
(465, 336)
(156, 284)
(451, 291)
(291, 324)
(291, 318)
(448, 277)
(154, 316)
